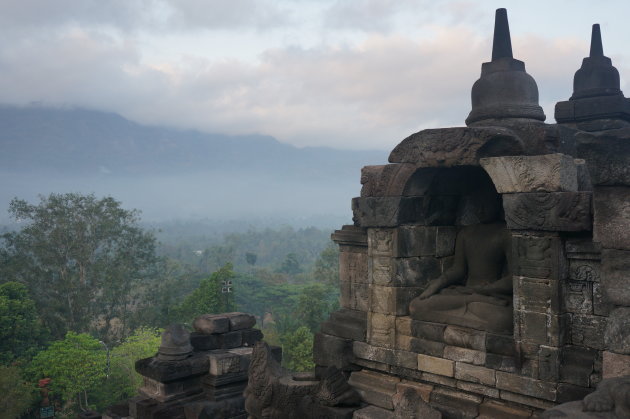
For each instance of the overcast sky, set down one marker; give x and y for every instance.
(339, 73)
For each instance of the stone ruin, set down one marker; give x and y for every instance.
(487, 275)
(488, 268)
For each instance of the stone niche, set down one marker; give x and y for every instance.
(564, 196)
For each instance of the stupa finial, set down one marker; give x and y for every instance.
(596, 42)
(502, 43)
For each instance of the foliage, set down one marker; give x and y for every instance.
(75, 365)
(81, 258)
(208, 297)
(21, 332)
(123, 381)
(327, 266)
(291, 265)
(314, 304)
(297, 350)
(16, 395)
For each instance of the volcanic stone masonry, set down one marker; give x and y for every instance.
(487, 274)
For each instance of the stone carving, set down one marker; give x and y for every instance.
(611, 400)
(455, 146)
(546, 173)
(274, 393)
(555, 211)
(477, 290)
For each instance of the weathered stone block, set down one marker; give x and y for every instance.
(500, 362)
(415, 271)
(588, 331)
(373, 412)
(229, 362)
(435, 365)
(360, 296)
(526, 400)
(346, 323)
(373, 353)
(615, 275)
(231, 339)
(414, 241)
(381, 329)
(385, 180)
(549, 362)
(465, 338)
(538, 256)
(353, 266)
(455, 403)
(478, 389)
(374, 388)
(491, 409)
(500, 344)
(449, 147)
(251, 336)
(419, 345)
(165, 371)
(394, 211)
(606, 156)
(470, 356)
(475, 374)
(439, 379)
(612, 217)
(540, 328)
(381, 241)
(617, 334)
(553, 211)
(163, 392)
(211, 323)
(332, 351)
(240, 321)
(578, 296)
(538, 295)
(392, 300)
(584, 269)
(615, 365)
(544, 173)
(422, 390)
(204, 342)
(527, 386)
(577, 365)
(601, 304)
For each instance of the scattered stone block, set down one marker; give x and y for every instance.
(231, 340)
(617, 333)
(211, 324)
(251, 336)
(435, 365)
(543, 173)
(615, 365)
(204, 342)
(422, 390)
(332, 351)
(615, 278)
(373, 412)
(475, 374)
(611, 223)
(239, 321)
(553, 211)
(407, 404)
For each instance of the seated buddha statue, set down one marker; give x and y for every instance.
(476, 291)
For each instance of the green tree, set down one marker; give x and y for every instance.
(208, 297)
(314, 304)
(81, 257)
(123, 381)
(21, 332)
(327, 266)
(297, 350)
(291, 265)
(75, 366)
(16, 395)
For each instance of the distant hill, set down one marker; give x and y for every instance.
(170, 173)
(80, 141)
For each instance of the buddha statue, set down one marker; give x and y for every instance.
(476, 291)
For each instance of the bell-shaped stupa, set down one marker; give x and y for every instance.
(596, 93)
(504, 90)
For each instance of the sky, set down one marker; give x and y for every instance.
(351, 74)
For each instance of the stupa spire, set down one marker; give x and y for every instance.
(596, 42)
(502, 43)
